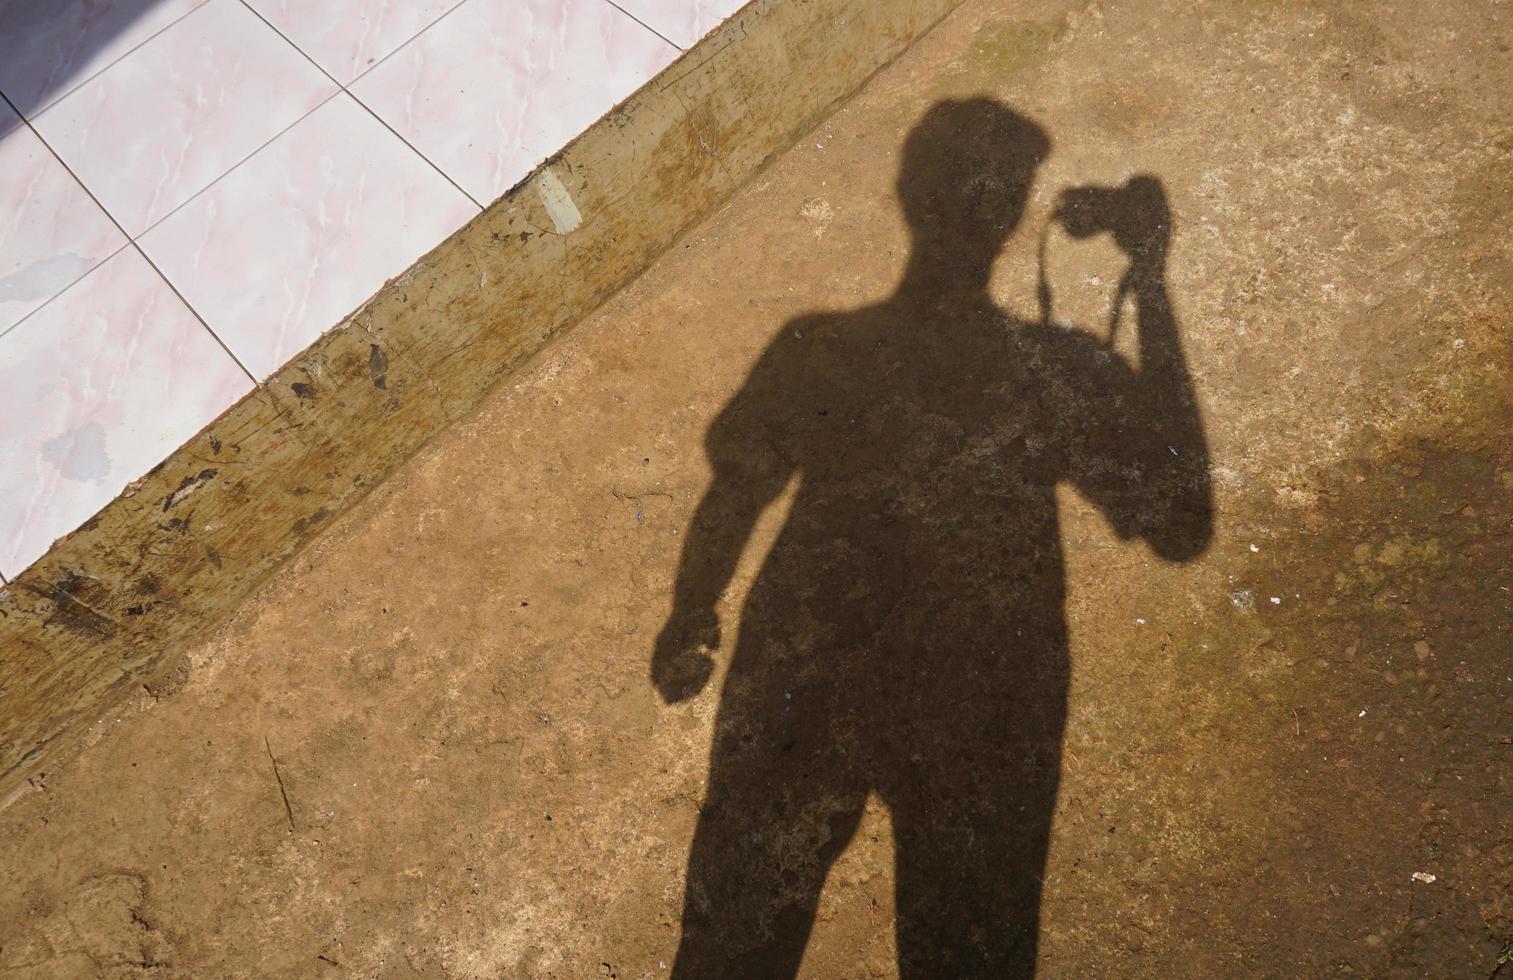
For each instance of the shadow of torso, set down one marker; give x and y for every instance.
(920, 557)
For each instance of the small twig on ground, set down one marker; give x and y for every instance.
(288, 810)
(636, 498)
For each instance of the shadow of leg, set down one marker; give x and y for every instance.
(970, 843)
(779, 813)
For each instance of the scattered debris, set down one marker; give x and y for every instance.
(1425, 877)
(818, 213)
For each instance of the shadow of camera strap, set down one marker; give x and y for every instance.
(1043, 288)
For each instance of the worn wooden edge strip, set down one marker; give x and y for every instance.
(189, 542)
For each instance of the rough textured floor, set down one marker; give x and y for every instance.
(431, 747)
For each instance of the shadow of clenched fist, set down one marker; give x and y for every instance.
(681, 664)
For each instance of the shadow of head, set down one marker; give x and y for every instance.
(966, 174)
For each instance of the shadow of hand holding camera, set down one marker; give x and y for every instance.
(1135, 213)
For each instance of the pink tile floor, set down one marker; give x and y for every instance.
(192, 191)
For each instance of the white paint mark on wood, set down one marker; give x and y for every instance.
(559, 203)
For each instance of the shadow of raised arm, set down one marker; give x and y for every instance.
(1143, 459)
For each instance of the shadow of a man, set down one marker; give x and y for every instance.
(906, 634)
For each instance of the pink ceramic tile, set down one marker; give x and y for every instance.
(96, 388)
(347, 37)
(683, 22)
(49, 46)
(51, 233)
(493, 88)
(298, 236)
(170, 117)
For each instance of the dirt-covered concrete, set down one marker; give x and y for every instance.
(1187, 658)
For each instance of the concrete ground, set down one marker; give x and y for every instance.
(1189, 658)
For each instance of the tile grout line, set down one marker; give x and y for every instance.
(446, 176)
(130, 239)
(133, 240)
(104, 68)
(229, 170)
(130, 243)
(343, 88)
(360, 75)
(190, 307)
(646, 25)
(108, 217)
(70, 285)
